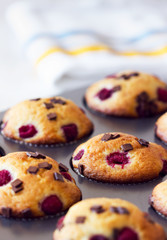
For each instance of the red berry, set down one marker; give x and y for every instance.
(66, 175)
(70, 132)
(162, 94)
(60, 223)
(79, 155)
(164, 169)
(127, 234)
(104, 94)
(117, 158)
(27, 131)
(98, 237)
(51, 205)
(111, 76)
(5, 177)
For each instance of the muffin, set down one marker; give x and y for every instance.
(119, 158)
(34, 185)
(158, 199)
(128, 94)
(107, 219)
(46, 121)
(161, 128)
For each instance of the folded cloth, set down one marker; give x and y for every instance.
(87, 38)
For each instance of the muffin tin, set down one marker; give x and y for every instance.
(40, 229)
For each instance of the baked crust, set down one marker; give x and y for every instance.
(127, 99)
(36, 187)
(48, 131)
(158, 199)
(142, 163)
(107, 223)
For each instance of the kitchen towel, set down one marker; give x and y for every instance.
(81, 38)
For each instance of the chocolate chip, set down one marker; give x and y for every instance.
(45, 165)
(17, 189)
(2, 152)
(32, 169)
(52, 116)
(116, 88)
(6, 212)
(58, 100)
(114, 209)
(80, 220)
(58, 177)
(97, 209)
(152, 108)
(127, 147)
(115, 136)
(81, 169)
(135, 74)
(108, 136)
(119, 210)
(125, 76)
(142, 97)
(63, 168)
(35, 99)
(16, 183)
(145, 107)
(26, 213)
(122, 210)
(128, 76)
(48, 105)
(36, 155)
(143, 142)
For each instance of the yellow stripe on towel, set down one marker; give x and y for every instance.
(82, 50)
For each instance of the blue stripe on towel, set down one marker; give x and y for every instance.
(97, 35)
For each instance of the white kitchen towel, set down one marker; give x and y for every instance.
(81, 38)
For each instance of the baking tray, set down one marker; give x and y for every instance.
(137, 193)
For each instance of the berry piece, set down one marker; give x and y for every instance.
(117, 158)
(98, 237)
(27, 131)
(60, 223)
(66, 175)
(70, 132)
(162, 94)
(104, 94)
(127, 234)
(164, 169)
(5, 177)
(79, 155)
(51, 205)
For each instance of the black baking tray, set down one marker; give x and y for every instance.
(137, 193)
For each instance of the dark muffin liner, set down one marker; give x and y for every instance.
(111, 183)
(159, 213)
(30, 219)
(21, 142)
(105, 115)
